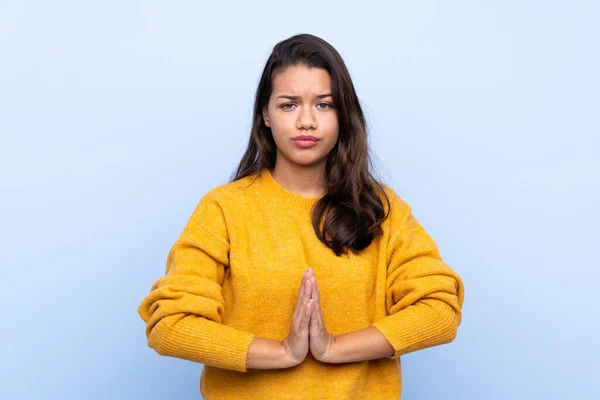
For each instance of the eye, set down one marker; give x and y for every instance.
(326, 106)
(287, 106)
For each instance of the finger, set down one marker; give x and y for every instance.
(315, 291)
(303, 322)
(318, 315)
(302, 290)
(304, 296)
(317, 312)
(315, 323)
(300, 298)
(309, 310)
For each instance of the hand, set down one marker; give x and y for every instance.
(321, 342)
(296, 343)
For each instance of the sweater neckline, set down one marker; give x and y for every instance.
(290, 199)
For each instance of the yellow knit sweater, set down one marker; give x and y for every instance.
(235, 270)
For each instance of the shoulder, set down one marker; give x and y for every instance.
(228, 196)
(396, 203)
(400, 212)
(229, 191)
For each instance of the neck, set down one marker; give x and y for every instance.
(301, 180)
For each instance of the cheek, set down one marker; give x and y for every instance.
(281, 125)
(331, 127)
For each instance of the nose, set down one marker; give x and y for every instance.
(306, 119)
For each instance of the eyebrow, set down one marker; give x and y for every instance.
(319, 96)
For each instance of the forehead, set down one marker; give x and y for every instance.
(302, 80)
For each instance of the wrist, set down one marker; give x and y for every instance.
(269, 354)
(332, 351)
(365, 344)
(286, 357)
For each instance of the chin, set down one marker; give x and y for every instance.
(303, 160)
(306, 163)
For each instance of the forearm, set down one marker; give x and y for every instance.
(268, 354)
(365, 344)
(426, 324)
(200, 340)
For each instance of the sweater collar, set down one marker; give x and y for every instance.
(289, 199)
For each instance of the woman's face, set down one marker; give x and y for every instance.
(301, 116)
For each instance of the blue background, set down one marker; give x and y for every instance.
(117, 116)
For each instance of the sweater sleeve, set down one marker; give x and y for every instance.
(183, 311)
(424, 296)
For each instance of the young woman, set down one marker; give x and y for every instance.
(303, 277)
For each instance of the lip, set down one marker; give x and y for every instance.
(306, 138)
(305, 142)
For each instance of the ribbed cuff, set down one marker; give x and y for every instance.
(418, 327)
(208, 342)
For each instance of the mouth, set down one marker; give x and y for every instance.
(305, 141)
(306, 138)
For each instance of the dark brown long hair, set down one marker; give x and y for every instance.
(350, 214)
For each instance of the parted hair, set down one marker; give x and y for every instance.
(349, 215)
